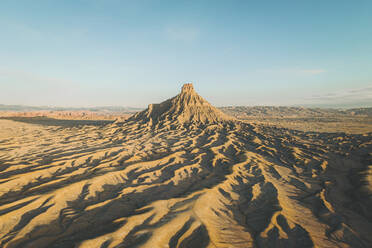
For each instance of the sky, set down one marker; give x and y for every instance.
(83, 53)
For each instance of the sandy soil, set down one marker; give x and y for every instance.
(183, 174)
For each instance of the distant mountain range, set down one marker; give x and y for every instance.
(237, 111)
(273, 111)
(25, 108)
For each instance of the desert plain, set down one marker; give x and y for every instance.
(183, 173)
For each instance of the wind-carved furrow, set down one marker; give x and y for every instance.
(182, 174)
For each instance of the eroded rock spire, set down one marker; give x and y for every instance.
(186, 107)
(187, 88)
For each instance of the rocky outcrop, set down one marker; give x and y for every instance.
(188, 107)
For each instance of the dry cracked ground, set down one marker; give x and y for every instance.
(183, 174)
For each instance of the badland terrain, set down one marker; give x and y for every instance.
(183, 173)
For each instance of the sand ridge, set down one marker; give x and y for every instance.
(183, 174)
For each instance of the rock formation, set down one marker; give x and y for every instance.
(186, 108)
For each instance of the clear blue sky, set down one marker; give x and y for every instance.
(132, 53)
